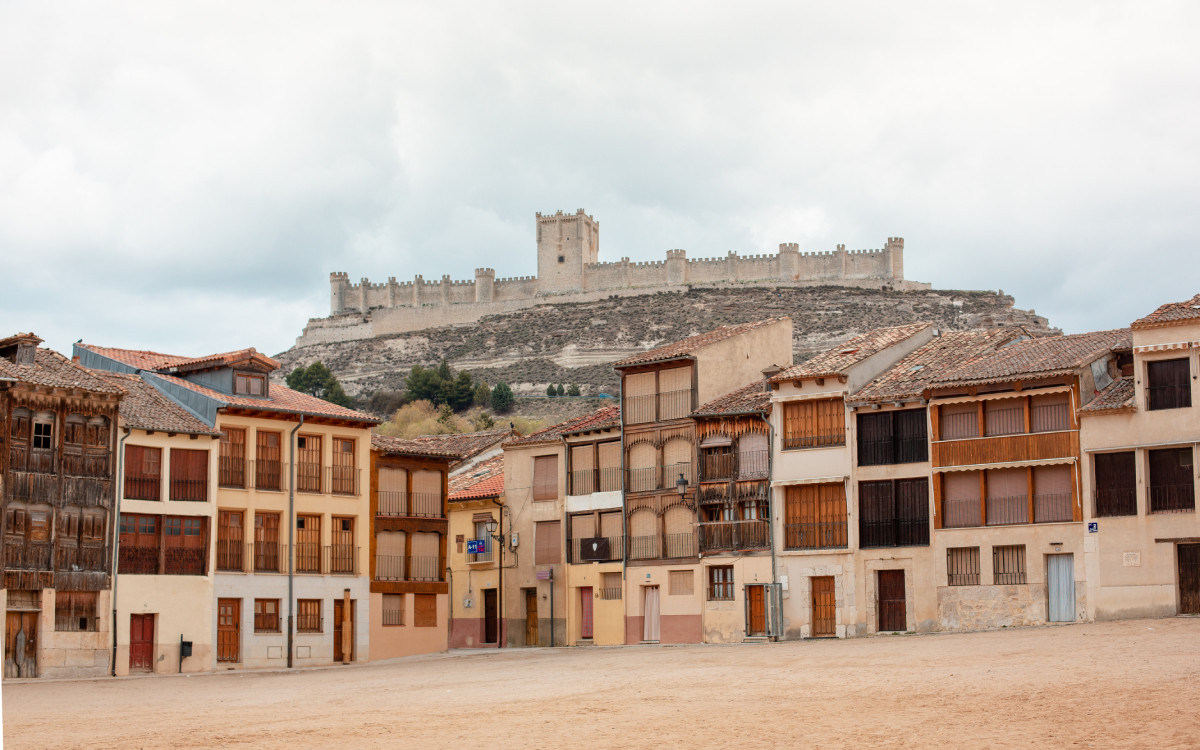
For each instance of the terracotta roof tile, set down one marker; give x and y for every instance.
(693, 343)
(485, 480)
(913, 374)
(146, 408)
(225, 359)
(606, 417)
(749, 399)
(1171, 313)
(282, 399)
(1047, 356)
(838, 360)
(465, 445)
(1118, 396)
(53, 370)
(139, 358)
(421, 446)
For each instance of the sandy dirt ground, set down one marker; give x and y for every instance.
(1128, 684)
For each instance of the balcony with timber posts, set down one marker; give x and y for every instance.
(734, 536)
(662, 547)
(657, 478)
(587, 481)
(396, 504)
(596, 549)
(1005, 431)
(736, 466)
(410, 568)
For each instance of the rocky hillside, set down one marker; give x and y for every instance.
(575, 343)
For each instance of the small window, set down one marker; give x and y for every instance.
(308, 615)
(680, 583)
(720, 583)
(425, 610)
(393, 609)
(548, 543)
(247, 384)
(43, 436)
(545, 478)
(1168, 384)
(266, 615)
(562, 259)
(962, 566)
(1008, 564)
(611, 586)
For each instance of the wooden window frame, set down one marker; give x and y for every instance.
(392, 617)
(244, 384)
(189, 475)
(545, 480)
(266, 621)
(720, 583)
(264, 477)
(344, 466)
(146, 482)
(814, 423)
(547, 543)
(308, 616)
(232, 458)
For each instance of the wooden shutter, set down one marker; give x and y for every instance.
(814, 424)
(425, 610)
(875, 439)
(545, 478)
(583, 526)
(1116, 484)
(910, 436)
(610, 525)
(143, 472)
(680, 582)
(548, 544)
(189, 475)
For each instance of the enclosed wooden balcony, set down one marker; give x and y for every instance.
(1002, 449)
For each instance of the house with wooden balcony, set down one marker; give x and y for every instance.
(733, 472)
(410, 609)
(816, 531)
(478, 521)
(166, 481)
(667, 584)
(889, 491)
(594, 528)
(58, 425)
(1008, 498)
(1139, 438)
(292, 506)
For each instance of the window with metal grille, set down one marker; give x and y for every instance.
(892, 437)
(545, 478)
(1116, 484)
(814, 424)
(1172, 486)
(893, 513)
(720, 583)
(232, 459)
(1008, 564)
(962, 566)
(611, 586)
(958, 421)
(547, 543)
(189, 475)
(393, 609)
(680, 583)
(268, 461)
(143, 472)
(308, 615)
(75, 611)
(425, 610)
(815, 516)
(1168, 384)
(266, 615)
(1004, 416)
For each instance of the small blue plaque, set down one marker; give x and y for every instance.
(476, 546)
(1093, 527)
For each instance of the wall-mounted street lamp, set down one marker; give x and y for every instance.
(681, 485)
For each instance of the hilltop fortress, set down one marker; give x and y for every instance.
(569, 270)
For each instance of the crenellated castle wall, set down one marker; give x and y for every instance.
(567, 246)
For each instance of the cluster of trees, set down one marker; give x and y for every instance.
(441, 387)
(317, 380)
(554, 391)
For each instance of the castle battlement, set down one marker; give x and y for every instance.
(569, 268)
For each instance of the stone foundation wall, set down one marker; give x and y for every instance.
(984, 607)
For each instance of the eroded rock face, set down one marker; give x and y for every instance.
(566, 343)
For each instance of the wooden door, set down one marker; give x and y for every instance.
(531, 617)
(585, 612)
(1189, 579)
(756, 610)
(491, 623)
(343, 630)
(20, 644)
(824, 608)
(141, 643)
(650, 623)
(229, 630)
(1060, 588)
(892, 616)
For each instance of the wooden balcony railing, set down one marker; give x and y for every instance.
(1005, 449)
(734, 466)
(31, 486)
(587, 481)
(662, 547)
(408, 568)
(821, 535)
(657, 407)
(87, 558)
(716, 536)
(27, 555)
(596, 549)
(418, 504)
(652, 478)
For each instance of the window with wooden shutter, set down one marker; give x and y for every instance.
(139, 544)
(1168, 384)
(893, 513)
(680, 582)
(185, 545)
(189, 475)
(608, 457)
(393, 610)
(345, 469)
(815, 516)
(425, 610)
(143, 472)
(548, 545)
(308, 616)
(720, 583)
(233, 457)
(1116, 484)
(813, 424)
(1172, 488)
(545, 478)
(268, 458)
(266, 615)
(230, 540)
(75, 611)
(308, 464)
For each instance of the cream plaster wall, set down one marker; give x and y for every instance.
(391, 641)
(730, 364)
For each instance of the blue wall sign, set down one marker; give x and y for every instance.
(1093, 527)
(476, 546)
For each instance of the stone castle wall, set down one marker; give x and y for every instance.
(369, 309)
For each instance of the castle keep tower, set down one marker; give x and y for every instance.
(565, 244)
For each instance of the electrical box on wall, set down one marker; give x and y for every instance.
(513, 543)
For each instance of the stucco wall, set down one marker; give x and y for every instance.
(390, 641)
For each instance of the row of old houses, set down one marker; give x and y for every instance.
(166, 513)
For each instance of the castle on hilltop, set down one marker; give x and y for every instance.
(569, 270)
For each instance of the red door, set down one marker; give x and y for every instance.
(585, 609)
(141, 643)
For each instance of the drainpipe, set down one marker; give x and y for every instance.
(501, 631)
(450, 603)
(117, 485)
(778, 614)
(291, 531)
(624, 510)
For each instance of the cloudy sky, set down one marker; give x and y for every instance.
(184, 177)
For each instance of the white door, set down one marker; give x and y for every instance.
(1060, 587)
(650, 614)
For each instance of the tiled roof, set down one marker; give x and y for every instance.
(282, 400)
(693, 343)
(485, 480)
(225, 359)
(1044, 357)
(911, 375)
(462, 445)
(53, 370)
(146, 408)
(1116, 397)
(750, 398)
(842, 357)
(1171, 313)
(603, 418)
(421, 446)
(138, 358)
